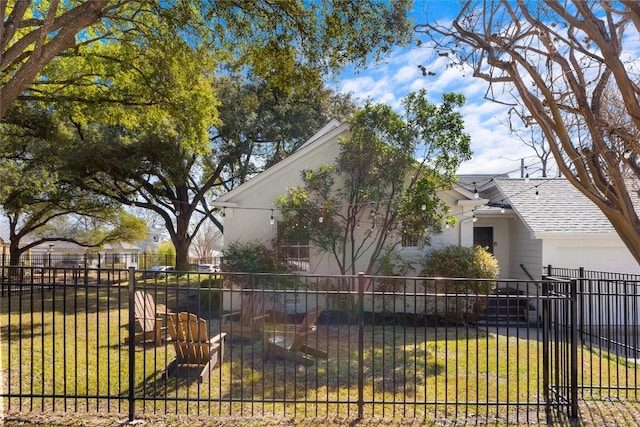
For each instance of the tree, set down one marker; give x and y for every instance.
(261, 124)
(206, 242)
(32, 35)
(140, 98)
(151, 166)
(532, 137)
(378, 189)
(567, 65)
(39, 204)
(281, 40)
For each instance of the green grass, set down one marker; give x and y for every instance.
(73, 344)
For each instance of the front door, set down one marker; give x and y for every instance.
(483, 236)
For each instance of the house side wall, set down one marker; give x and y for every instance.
(598, 253)
(250, 219)
(525, 253)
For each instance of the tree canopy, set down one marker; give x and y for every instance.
(38, 200)
(570, 69)
(141, 87)
(384, 182)
(281, 41)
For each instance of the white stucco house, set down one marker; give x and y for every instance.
(559, 227)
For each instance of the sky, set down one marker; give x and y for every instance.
(495, 149)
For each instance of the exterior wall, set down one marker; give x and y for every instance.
(598, 253)
(249, 220)
(501, 243)
(524, 250)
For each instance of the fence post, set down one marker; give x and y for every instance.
(132, 352)
(546, 326)
(360, 345)
(574, 349)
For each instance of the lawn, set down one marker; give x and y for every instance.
(68, 352)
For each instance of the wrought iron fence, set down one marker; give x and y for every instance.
(607, 328)
(118, 260)
(385, 347)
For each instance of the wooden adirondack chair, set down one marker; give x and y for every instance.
(192, 344)
(291, 343)
(251, 317)
(148, 316)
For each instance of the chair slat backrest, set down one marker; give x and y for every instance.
(145, 310)
(252, 307)
(190, 336)
(310, 320)
(307, 325)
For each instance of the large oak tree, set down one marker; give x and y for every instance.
(39, 203)
(280, 40)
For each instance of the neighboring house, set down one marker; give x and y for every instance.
(5, 241)
(115, 255)
(561, 227)
(52, 253)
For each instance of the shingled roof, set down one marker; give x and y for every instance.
(559, 207)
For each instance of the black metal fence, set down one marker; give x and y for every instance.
(607, 327)
(117, 260)
(409, 348)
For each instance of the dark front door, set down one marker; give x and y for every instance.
(483, 236)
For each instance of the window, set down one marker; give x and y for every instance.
(411, 239)
(294, 248)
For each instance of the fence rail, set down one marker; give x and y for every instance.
(405, 347)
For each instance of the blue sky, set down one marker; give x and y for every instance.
(495, 149)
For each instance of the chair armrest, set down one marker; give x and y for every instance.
(218, 338)
(227, 316)
(260, 317)
(162, 309)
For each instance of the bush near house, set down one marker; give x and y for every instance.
(465, 262)
(245, 258)
(210, 296)
(252, 257)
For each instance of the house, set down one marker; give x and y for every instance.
(525, 232)
(60, 253)
(111, 255)
(550, 223)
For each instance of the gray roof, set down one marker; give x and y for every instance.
(559, 208)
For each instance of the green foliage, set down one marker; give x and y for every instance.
(164, 249)
(210, 296)
(251, 257)
(392, 263)
(378, 188)
(460, 262)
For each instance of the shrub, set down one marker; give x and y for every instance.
(252, 257)
(211, 298)
(461, 262)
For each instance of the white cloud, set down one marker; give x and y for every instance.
(495, 150)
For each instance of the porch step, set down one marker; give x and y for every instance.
(505, 311)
